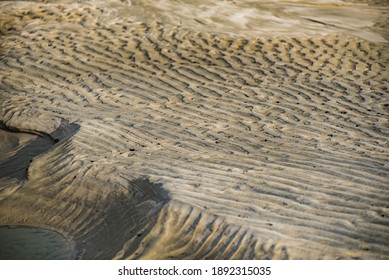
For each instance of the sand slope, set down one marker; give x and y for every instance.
(168, 142)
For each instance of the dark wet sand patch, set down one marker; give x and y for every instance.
(18, 149)
(33, 243)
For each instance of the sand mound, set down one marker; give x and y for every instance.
(172, 142)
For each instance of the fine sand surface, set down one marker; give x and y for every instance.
(217, 130)
(33, 243)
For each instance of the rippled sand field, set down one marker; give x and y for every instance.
(197, 129)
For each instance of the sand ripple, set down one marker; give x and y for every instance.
(169, 142)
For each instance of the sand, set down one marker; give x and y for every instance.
(139, 131)
(29, 243)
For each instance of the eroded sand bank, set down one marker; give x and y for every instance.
(248, 130)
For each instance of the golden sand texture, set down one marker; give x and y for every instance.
(165, 141)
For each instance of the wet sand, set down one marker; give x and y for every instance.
(29, 243)
(242, 131)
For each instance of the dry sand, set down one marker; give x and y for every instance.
(248, 130)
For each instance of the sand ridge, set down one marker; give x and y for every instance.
(175, 143)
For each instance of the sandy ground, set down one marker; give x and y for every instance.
(140, 131)
(33, 244)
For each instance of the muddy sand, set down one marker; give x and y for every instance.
(195, 129)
